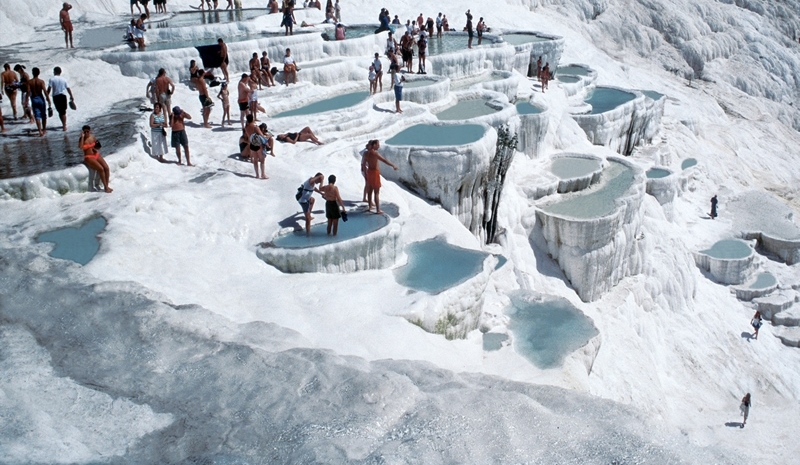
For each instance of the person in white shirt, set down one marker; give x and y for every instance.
(289, 67)
(59, 88)
(378, 71)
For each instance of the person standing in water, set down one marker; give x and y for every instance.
(92, 158)
(66, 24)
(10, 86)
(332, 203)
(371, 164)
(306, 199)
(745, 408)
(468, 27)
(38, 94)
(713, 213)
(59, 88)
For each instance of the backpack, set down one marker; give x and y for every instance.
(256, 140)
(299, 193)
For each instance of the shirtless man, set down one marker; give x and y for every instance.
(266, 73)
(10, 86)
(406, 50)
(179, 138)
(469, 29)
(206, 103)
(333, 200)
(223, 55)
(164, 90)
(255, 69)
(244, 97)
(37, 90)
(66, 24)
(372, 168)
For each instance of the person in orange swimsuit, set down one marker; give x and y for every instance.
(370, 163)
(91, 157)
(66, 24)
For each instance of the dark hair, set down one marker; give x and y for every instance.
(318, 174)
(35, 72)
(219, 41)
(249, 118)
(162, 71)
(143, 16)
(332, 179)
(86, 127)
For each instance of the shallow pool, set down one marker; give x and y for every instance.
(599, 200)
(688, 163)
(493, 341)
(335, 103)
(434, 265)
(77, 244)
(437, 136)
(572, 70)
(603, 99)
(729, 249)
(469, 82)
(520, 38)
(651, 94)
(547, 329)
(656, 173)
(446, 44)
(574, 167)
(466, 109)
(354, 32)
(22, 155)
(103, 37)
(418, 83)
(763, 281)
(567, 79)
(197, 18)
(172, 45)
(525, 108)
(358, 224)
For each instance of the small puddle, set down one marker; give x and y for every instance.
(688, 163)
(77, 244)
(657, 173)
(729, 249)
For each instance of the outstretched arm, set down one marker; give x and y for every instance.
(380, 157)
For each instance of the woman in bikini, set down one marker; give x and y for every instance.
(304, 135)
(91, 157)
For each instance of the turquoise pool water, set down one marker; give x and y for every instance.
(434, 266)
(763, 281)
(197, 18)
(358, 224)
(525, 108)
(466, 109)
(77, 244)
(354, 32)
(729, 249)
(418, 83)
(547, 330)
(656, 173)
(102, 37)
(603, 99)
(437, 136)
(519, 39)
(567, 79)
(172, 45)
(574, 167)
(688, 163)
(598, 200)
(652, 94)
(446, 44)
(335, 103)
(469, 82)
(493, 341)
(572, 71)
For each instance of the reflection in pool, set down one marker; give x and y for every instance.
(434, 265)
(603, 99)
(357, 224)
(466, 109)
(432, 135)
(547, 329)
(335, 103)
(77, 244)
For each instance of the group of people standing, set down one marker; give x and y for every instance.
(37, 99)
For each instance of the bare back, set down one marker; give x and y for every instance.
(162, 84)
(9, 77)
(36, 87)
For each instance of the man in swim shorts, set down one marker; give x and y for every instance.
(371, 165)
(205, 102)
(244, 97)
(59, 88)
(179, 138)
(38, 94)
(333, 200)
(468, 28)
(223, 55)
(164, 90)
(10, 86)
(66, 24)
(306, 199)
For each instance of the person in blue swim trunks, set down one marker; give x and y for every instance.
(37, 89)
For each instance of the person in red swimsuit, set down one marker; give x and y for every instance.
(371, 166)
(66, 24)
(91, 157)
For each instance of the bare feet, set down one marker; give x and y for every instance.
(109, 190)
(379, 212)
(264, 177)
(207, 126)
(189, 164)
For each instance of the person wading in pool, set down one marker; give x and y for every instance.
(306, 199)
(468, 28)
(332, 203)
(371, 165)
(38, 93)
